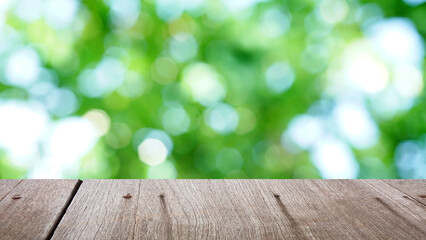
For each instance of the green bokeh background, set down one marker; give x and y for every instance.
(237, 49)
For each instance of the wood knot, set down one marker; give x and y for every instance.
(15, 197)
(127, 196)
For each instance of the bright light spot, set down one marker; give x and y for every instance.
(279, 77)
(146, 133)
(27, 59)
(355, 124)
(275, 22)
(124, 13)
(367, 73)
(333, 11)
(70, 139)
(45, 171)
(241, 5)
(152, 151)
(133, 86)
(5, 5)
(194, 5)
(229, 159)
(169, 10)
(175, 120)
(165, 170)
(203, 83)
(104, 79)
(391, 88)
(407, 80)
(222, 118)
(61, 102)
(410, 158)
(41, 89)
(304, 131)
(183, 47)
(60, 13)
(100, 121)
(414, 2)
(390, 102)
(334, 159)
(21, 127)
(29, 10)
(397, 40)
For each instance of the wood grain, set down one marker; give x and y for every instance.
(241, 209)
(100, 211)
(347, 209)
(33, 208)
(6, 186)
(414, 189)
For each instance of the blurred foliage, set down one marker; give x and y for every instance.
(239, 44)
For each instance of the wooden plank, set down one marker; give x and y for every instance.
(413, 189)
(34, 207)
(240, 209)
(181, 209)
(348, 209)
(6, 185)
(99, 211)
(410, 205)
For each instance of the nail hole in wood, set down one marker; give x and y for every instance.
(161, 195)
(15, 197)
(276, 195)
(422, 196)
(127, 196)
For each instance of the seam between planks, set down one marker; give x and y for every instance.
(408, 196)
(64, 209)
(1, 198)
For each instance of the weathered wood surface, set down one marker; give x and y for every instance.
(31, 209)
(6, 186)
(212, 209)
(245, 209)
(413, 189)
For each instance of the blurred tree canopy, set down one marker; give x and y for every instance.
(212, 89)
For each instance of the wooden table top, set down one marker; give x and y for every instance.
(213, 209)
